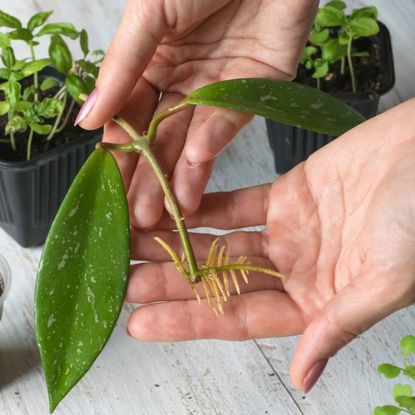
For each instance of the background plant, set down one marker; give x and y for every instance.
(42, 106)
(332, 39)
(402, 393)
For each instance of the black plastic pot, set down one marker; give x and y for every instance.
(31, 192)
(292, 145)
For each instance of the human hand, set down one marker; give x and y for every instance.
(340, 226)
(173, 47)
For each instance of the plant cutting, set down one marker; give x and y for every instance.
(403, 394)
(348, 55)
(83, 272)
(39, 98)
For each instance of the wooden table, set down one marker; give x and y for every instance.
(203, 377)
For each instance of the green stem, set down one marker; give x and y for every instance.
(342, 65)
(29, 144)
(35, 75)
(143, 143)
(58, 119)
(158, 118)
(318, 83)
(349, 59)
(66, 119)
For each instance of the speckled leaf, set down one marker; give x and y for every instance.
(286, 102)
(82, 277)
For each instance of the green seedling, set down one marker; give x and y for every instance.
(402, 393)
(35, 106)
(84, 267)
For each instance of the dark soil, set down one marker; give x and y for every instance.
(367, 70)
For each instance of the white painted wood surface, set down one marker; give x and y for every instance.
(204, 377)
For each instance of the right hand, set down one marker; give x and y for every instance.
(173, 47)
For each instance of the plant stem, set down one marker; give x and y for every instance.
(342, 65)
(29, 144)
(143, 143)
(35, 75)
(158, 118)
(66, 119)
(349, 59)
(58, 119)
(318, 83)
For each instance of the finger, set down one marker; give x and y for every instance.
(141, 29)
(209, 132)
(351, 312)
(146, 197)
(162, 281)
(228, 210)
(138, 111)
(245, 317)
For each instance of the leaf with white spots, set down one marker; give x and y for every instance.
(286, 102)
(82, 278)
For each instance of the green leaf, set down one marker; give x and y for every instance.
(329, 16)
(12, 91)
(386, 410)
(4, 107)
(50, 107)
(402, 390)
(5, 73)
(344, 37)
(406, 402)
(287, 102)
(64, 29)
(88, 67)
(76, 86)
(388, 370)
(60, 54)
(83, 273)
(48, 83)
(321, 68)
(8, 57)
(83, 40)
(35, 66)
(318, 38)
(42, 129)
(370, 11)
(363, 26)
(307, 54)
(4, 40)
(7, 20)
(332, 51)
(338, 4)
(410, 371)
(21, 34)
(38, 19)
(16, 124)
(407, 345)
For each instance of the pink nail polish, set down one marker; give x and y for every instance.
(313, 375)
(87, 107)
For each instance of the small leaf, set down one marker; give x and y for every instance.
(4, 107)
(329, 16)
(290, 103)
(64, 29)
(83, 39)
(38, 19)
(363, 26)
(42, 129)
(23, 105)
(402, 390)
(4, 40)
(50, 107)
(76, 86)
(88, 67)
(8, 57)
(35, 66)
(407, 345)
(406, 402)
(321, 69)
(409, 371)
(338, 4)
(307, 54)
(386, 410)
(370, 11)
(344, 37)
(318, 38)
(83, 273)
(16, 124)
(5, 73)
(388, 370)
(332, 51)
(60, 54)
(7, 20)
(12, 91)
(21, 34)
(48, 83)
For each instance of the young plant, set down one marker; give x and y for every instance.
(84, 267)
(42, 106)
(402, 393)
(332, 37)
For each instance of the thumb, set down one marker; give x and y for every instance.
(349, 313)
(142, 28)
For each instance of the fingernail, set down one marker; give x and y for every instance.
(192, 165)
(87, 107)
(313, 375)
